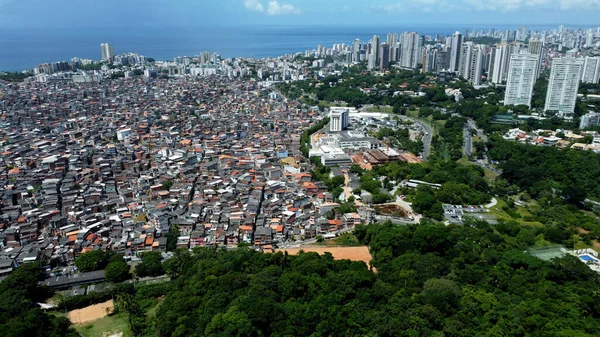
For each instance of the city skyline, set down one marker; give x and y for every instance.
(157, 13)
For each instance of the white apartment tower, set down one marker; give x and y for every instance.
(108, 51)
(563, 86)
(466, 55)
(521, 79)
(339, 119)
(591, 70)
(476, 71)
(409, 53)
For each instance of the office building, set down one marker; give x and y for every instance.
(108, 51)
(536, 47)
(564, 83)
(591, 70)
(521, 79)
(339, 119)
(455, 51)
(385, 56)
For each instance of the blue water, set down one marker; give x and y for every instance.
(587, 258)
(23, 49)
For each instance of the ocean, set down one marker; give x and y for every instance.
(24, 48)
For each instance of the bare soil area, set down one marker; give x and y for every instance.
(91, 313)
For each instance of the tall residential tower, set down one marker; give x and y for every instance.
(521, 79)
(564, 83)
(108, 51)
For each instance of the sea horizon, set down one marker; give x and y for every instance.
(23, 49)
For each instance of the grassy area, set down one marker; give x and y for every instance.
(105, 326)
(500, 214)
(440, 124)
(344, 240)
(412, 113)
(382, 109)
(489, 175)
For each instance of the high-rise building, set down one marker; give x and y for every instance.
(536, 47)
(564, 83)
(464, 66)
(339, 119)
(498, 68)
(108, 51)
(589, 120)
(356, 51)
(521, 79)
(371, 61)
(455, 51)
(375, 48)
(591, 70)
(409, 54)
(476, 71)
(385, 56)
(430, 57)
(589, 39)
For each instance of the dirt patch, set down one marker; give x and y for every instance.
(582, 231)
(597, 246)
(410, 158)
(392, 210)
(91, 313)
(339, 253)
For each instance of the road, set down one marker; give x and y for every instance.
(467, 141)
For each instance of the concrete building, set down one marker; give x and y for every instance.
(589, 120)
(409, 50)
(464, 67)
(521, 79)
(385, 56)
(536, 47)
(339, 119)
(108, 51)
(501, 53)
(455, 50)
(591, 70)
(564, 83)
(375, 48)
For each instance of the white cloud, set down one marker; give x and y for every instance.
(273, 7)
(486, 5)
(254, 5)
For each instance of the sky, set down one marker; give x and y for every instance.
(137, 14)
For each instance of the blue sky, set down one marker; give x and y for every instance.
(156, 13)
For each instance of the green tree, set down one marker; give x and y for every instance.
(93, 260)
(117, 271)
(151, 265)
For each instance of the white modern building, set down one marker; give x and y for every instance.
(564, 83)
(339, 119)
(591, 70)
(522, 73)
(589, 120)
(108, 51)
